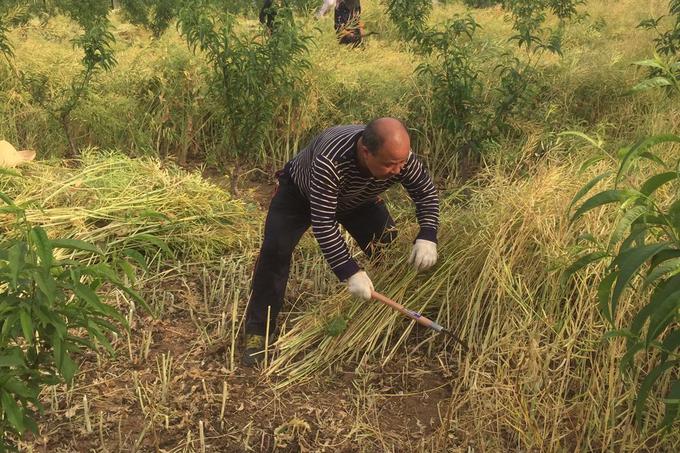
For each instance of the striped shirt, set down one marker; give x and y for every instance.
(328, 175)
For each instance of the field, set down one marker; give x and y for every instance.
(146, 161)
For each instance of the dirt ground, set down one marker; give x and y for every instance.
(170, 388)
(132, 406)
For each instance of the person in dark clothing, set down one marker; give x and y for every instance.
(348, 25)
(268, 14)
(336, 180)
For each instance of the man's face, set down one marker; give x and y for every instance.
(387, 162)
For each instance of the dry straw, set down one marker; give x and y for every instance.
(116, 201)
(543, 378)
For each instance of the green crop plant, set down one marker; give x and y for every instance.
(12, 14)
(57, 100)
(529, 17)
(154, 15)
(461, 107)
(664, 68)
(642, 254)
(410, 16)
(253, 75)
(50, 310)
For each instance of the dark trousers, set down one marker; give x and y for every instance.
(288, 218)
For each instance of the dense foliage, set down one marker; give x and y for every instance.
(646, 235)
(50, 310)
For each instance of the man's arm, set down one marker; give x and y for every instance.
(323, 200)
(418, 183)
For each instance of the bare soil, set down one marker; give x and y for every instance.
(131, 406)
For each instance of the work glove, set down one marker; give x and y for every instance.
(360, 285)
(424, 254)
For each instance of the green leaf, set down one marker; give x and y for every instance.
(670, 344)
(26, 325)
(583, 262)
(672, 402)
(604, 290)
(625, 222)
(75, 244)
(12, 411)
(586, 188)
(646, 386)
(135, 296)
(17, 387)
(95, 331)
(127, 269)
(92, 299)
(6, 199)
(671, 266)
(42, 245)
(153, 240)
(11, 210)
(11, 358)
(641, 146)
(626, 364)
(629, 262)
(649, 63)
(651, 156)
(602, 198)
(662, 292)
(583, 136)
(336, 326)
(590, 162)
(46, 284)
(8, 172)
(638, 234)
(657, 181)
(665, 312)
(137, 258)
(653, 82)
(68, 367)
(16, 257)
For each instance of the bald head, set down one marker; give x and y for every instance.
(387, 133)
(384, 147)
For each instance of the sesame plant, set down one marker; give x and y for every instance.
(641, 254)
(51, 310)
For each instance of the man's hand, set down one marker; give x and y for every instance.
(360, 285)
(424, 254)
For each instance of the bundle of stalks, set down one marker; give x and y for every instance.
(541, 377)
(115, 201)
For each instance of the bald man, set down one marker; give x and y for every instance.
(336, 181)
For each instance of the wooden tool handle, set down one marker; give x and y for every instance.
(410, 313)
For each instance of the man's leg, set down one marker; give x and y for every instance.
(371, 225)
(287, 220)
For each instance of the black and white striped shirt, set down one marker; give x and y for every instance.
(327, 173)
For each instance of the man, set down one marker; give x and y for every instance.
(268, 14)
(336, 181)
(347, 20)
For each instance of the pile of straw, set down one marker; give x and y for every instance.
(115, 201)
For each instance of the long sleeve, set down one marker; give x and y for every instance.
(327, 4)
(323, 200)
(418, 183)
